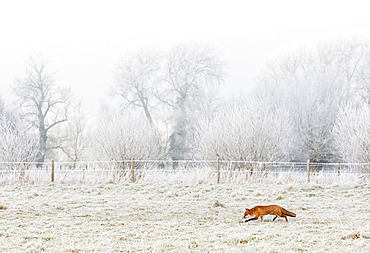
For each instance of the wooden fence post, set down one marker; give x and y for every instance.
(132, 171)
(218, 170)
(338, 169)
(52, 171)
(308, 171)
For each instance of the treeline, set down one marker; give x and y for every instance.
(311, 103)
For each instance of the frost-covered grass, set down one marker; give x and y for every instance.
(181, 217)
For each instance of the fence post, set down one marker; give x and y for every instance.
(308, 171)
(52, 171)
(338, 169)
(218, 170)
(132, 171)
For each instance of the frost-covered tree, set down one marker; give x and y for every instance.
(312, 83)
(352, 133)
(135, 79)
(180, 84)
(17, 142)
(75, 140)
(362, 87)
(44, 102)
(122, 137)
(250, 130)
(191, 73)
(2, 106)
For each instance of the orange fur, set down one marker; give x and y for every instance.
(260, 211)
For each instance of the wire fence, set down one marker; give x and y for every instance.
(205, 171)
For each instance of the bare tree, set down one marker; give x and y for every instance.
(75, 140)
(17, 143)
(190, 74)
(44, 102)
(312, 83)
(352, 133)
(183, 82)
(2, 106)
(247, 130)
(123, 136)
(135, 78)
(362, 77)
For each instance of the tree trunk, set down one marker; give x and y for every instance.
(148, 116)
(43, 139)
(178, 143)
(144, 104)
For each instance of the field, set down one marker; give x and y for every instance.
(179, 217)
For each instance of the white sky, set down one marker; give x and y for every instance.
(85, 39)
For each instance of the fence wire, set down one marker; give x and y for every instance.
(204, 171)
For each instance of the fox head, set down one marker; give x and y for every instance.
(247, 213)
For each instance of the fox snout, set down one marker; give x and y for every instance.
(246, 213)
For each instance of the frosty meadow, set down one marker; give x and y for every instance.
(182, 217)
(88, 209)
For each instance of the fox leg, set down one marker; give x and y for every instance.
(255, 218)
(284, 217)
(261, 218)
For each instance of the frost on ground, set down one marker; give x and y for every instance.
(179, 217)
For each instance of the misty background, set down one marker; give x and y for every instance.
(239, 80)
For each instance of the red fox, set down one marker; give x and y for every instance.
(260, 211)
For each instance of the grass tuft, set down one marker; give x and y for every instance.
(218, 204)
(354, 236)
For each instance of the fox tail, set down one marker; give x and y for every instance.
(288, 213)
